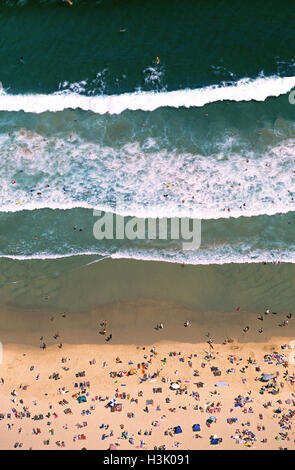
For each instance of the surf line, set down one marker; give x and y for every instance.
(243, 90)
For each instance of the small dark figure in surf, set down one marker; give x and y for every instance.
(109, 337)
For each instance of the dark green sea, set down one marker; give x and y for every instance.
(147, 109)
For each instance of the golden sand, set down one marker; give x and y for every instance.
(42, 381)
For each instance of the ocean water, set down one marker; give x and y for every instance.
(152, 109)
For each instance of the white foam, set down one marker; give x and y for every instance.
(133, 179)
(199, 257)
(243, 90)
(152, 212)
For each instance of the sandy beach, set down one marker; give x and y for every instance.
(64, 386)
(147, 228)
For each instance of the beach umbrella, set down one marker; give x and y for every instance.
(113, 402)
(112, 447)
(132, 372)
(214, 442)
(196, 427)
(177, 430)
(121, 373)
(175, 386)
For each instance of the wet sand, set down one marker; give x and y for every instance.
(83, 283)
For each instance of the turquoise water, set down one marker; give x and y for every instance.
(147, 109)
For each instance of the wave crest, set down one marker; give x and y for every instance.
(243, 90)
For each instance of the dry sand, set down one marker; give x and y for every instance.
(135, 341)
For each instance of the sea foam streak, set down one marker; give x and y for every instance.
(243, 90)
(283, 256)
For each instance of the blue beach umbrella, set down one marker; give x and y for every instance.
(177, 430)
(214, 442)
(112, 403)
